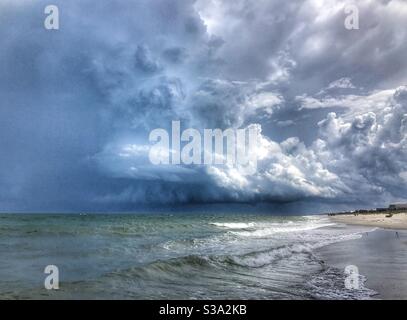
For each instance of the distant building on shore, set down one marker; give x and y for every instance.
(391, 209)
(398, 206)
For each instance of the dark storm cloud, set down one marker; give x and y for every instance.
(265, 38)
(77, 104)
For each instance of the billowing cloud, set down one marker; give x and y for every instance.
(77, 104)
(358, 157)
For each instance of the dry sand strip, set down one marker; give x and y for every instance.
(398, 221)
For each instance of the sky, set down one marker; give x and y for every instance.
(77, 104)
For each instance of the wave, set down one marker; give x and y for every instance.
(270, 230)
(233, 225)
(245, 260)
(329, 285)
(272, 270)
(258, 259)
(260, 229)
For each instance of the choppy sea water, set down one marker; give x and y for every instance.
(186, 256)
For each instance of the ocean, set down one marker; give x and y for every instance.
(165, 256)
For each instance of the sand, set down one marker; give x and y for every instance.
(398, 221)
(381, 256)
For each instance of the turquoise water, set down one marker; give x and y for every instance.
(170, 257)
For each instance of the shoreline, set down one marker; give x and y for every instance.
(397, 222)
(380, 257)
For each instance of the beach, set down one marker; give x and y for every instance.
(380, 255)
(397, 221)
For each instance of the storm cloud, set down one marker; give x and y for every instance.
(77, 104)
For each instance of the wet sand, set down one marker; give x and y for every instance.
(398, 221)
(381, 256)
